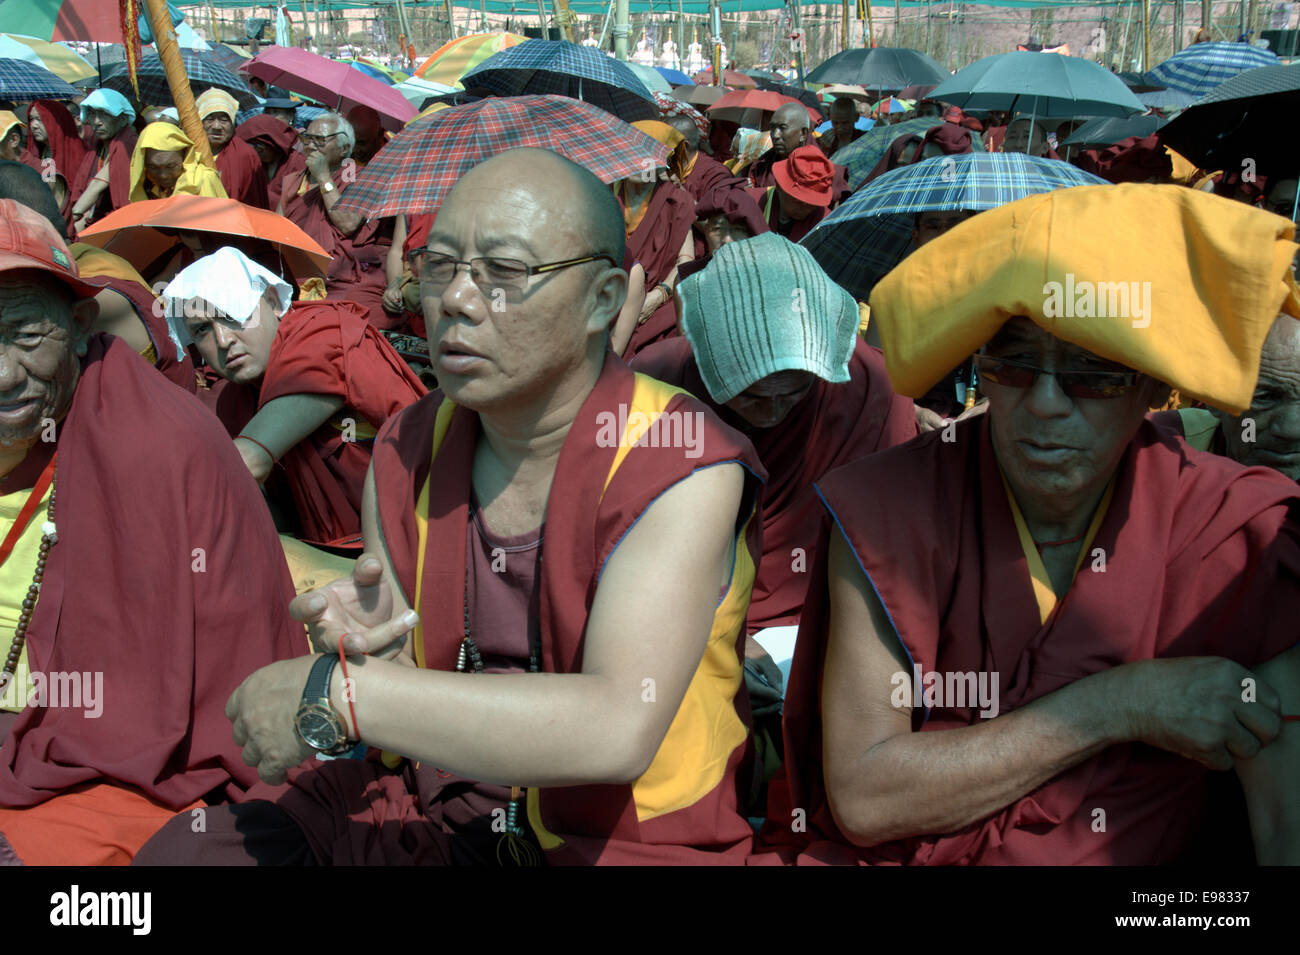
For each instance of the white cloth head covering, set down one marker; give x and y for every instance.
(762, 306)
(227, 280)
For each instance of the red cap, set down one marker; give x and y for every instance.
(807, 176)
(28, 241)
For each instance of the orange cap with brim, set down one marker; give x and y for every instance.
(28, 241)
(1177, 284)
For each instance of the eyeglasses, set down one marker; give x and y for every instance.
(437, 270)
(1075, 384)
(310, 139)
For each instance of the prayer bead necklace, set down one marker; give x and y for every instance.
(49, 536)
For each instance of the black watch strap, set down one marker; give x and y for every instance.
(318, 681)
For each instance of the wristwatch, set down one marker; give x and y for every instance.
(317, 723)
(327, 187)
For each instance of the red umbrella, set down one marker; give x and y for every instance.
(748, 106)
(329, 82)
(737, 81)
(417, 168)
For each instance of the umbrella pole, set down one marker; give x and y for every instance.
(871, 27)
(1146, 35)
(182, 95)
(844, 24)
(620, 30)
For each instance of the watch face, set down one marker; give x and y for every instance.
(318, 728)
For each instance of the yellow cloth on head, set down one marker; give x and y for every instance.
(8, 120)
(216, 101)
(1180, 285)
(197, 179)
(670, 137)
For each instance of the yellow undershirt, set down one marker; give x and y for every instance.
(15, 578)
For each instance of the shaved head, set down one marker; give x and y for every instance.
(792, 114)
(790, 129)
(24, 185)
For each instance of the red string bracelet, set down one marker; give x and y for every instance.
(260, 445)
(347, 688)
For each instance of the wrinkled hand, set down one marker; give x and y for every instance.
(393, 299)
(1193, 706)
(262, 710)
(318, 165)
(360, 607)
(927, 420)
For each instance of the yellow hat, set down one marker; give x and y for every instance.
(216, 101)
(7, 122)
(1177, 284)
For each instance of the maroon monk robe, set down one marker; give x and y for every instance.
(65, 150)
(1201, 560)
(167, 578)
(118, 194)
(655, 244)
(356, 812)
(833, 425)
(705, 176)
(760, 175)
(328, 348)
(357, 268)
(242, 175)
(281, 137)
(291, 169)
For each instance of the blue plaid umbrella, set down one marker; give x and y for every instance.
(868, 235)
(203, 70)
(539, 67)
(20, 80)
(1203, 66)
(860, 156)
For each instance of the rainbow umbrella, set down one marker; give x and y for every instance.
(455, 58)
(59, 60)
(62, 19)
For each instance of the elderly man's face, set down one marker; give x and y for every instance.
(237, 353)
(42, 336)
(322, 136)
(220, 128)
(163, 167)
(1023, 137)
(104, 125)
(789, 131)
(507, 340)
(769, 401)
(1268, 433)
(719, 231)
(842, 120)
(1052, 447)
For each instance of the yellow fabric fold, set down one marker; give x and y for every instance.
(1177, 284)
(197, 178)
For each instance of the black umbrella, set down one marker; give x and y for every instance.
(883, 68)
(203, 71)
(1242, 118)
(1111, 129)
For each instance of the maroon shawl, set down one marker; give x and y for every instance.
(834, 424)
(655, 244)
(167, 577)
(65, 148)
(1202, 559)
(120, 148)
(242, 174)
(705, 176)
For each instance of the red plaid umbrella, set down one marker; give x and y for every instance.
(418, 167)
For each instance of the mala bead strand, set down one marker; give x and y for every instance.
(49, 536)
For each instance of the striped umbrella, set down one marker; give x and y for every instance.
(20, 80)
(419, 166)
(59, 60)
(1202, 66)
(542, 67)
(63, 19)
(455, 58)
(868, 235)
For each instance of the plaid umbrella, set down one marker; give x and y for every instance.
(418, 167)
(59, 60)
(868, 235)
(204, 73)
(20, 80)
(228, 56)
(1202, 66)
(455, 58)
(558, 67)
(861, 155)
(672, 106)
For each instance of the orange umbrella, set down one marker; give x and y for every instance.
(141, 232)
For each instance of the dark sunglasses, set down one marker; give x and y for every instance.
(1075, 384)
